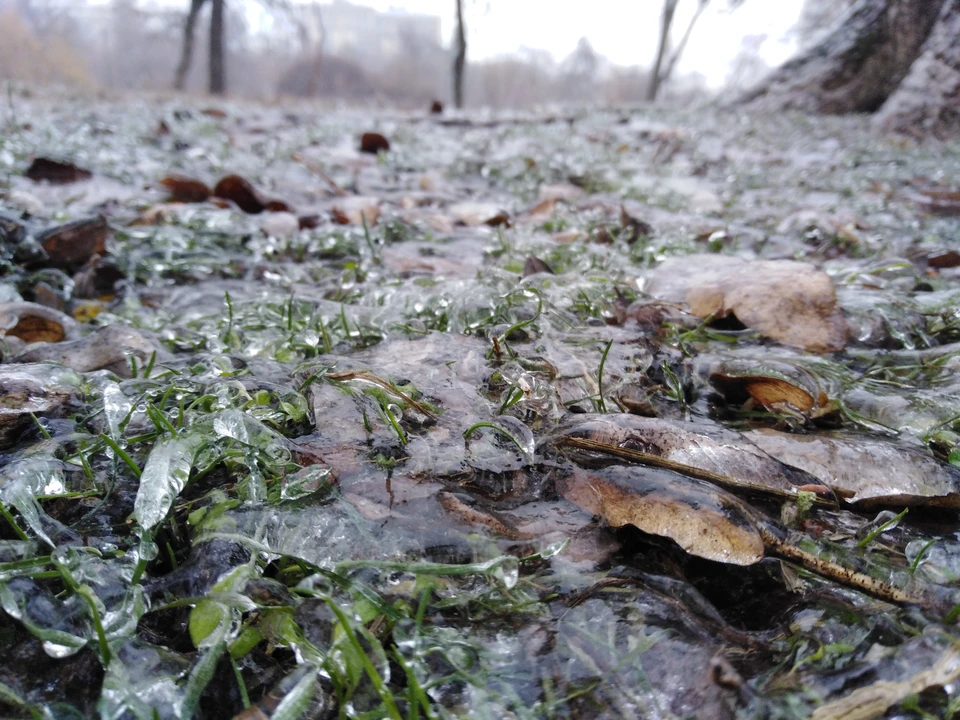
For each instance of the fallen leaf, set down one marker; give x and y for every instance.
(632, 229)
(939, 201)
(568, 237)
(242, 193)
(32, 322)
(564, 192)
(373, 143)
(308, 222)
(473, 214)
(533, 265)
(789, 302)
(96, 278)
(108, 347)
(700, 444)
(73, 244)
(353, 210)
(186, 190)
(57, 172)
(214, 112)
(873, 700)
(703, 520)
(33, 390)
(542, 210)
(865, 470)
(944, 260)
(280, 224)
(776, 386)
(277, 206)
(436, 108)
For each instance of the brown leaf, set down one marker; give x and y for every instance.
(107, 347)
(533, 265)
(186, 190)
(476, 213)
(944, 260)
(73, 244)
(772, 384)
(277, 206)
(240, 192)
(703, 520)
(436, 108)
(633, 228)
(373, 143)
(35, 323)
(565, 192)
(308, 222)
(353, 210)
(213, 112)
(939, 201)
(542, 210)
(57, 172)
(96, 278)
(789, 302)
(29, 391)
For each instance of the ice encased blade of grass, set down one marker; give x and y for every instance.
(116, 408)
(20, 483)
(166, 472)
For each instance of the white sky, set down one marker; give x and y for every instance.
(625, 31)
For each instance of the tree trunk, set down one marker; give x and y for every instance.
(668, 71)
(186, 52)
(460, 61)
(218, 70)
(317, 60)
(666, 20)
(858, 65)
(927, 102)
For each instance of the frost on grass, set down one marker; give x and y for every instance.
(372, 435)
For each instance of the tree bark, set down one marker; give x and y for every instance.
(218, 70)
(460, 61)
(858, 65)
(927, 102)
(675, 56)
(186, 52)
(666, 20)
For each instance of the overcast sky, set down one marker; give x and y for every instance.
(623, 30)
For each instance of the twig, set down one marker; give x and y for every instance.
(317, 170)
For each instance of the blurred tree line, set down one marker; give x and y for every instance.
(211, 45)
(899, 59)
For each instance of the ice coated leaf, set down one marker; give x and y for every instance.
(700, 444)
(866, 470)
(790, 302)
(164, 475)
(703, 520)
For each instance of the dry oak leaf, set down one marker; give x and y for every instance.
(56, 172)
(790, 302)
(702, 519)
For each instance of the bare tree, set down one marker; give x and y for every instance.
(661, 73)
(218, 65)
(460, 61)
(666, 20)
(186, 51)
